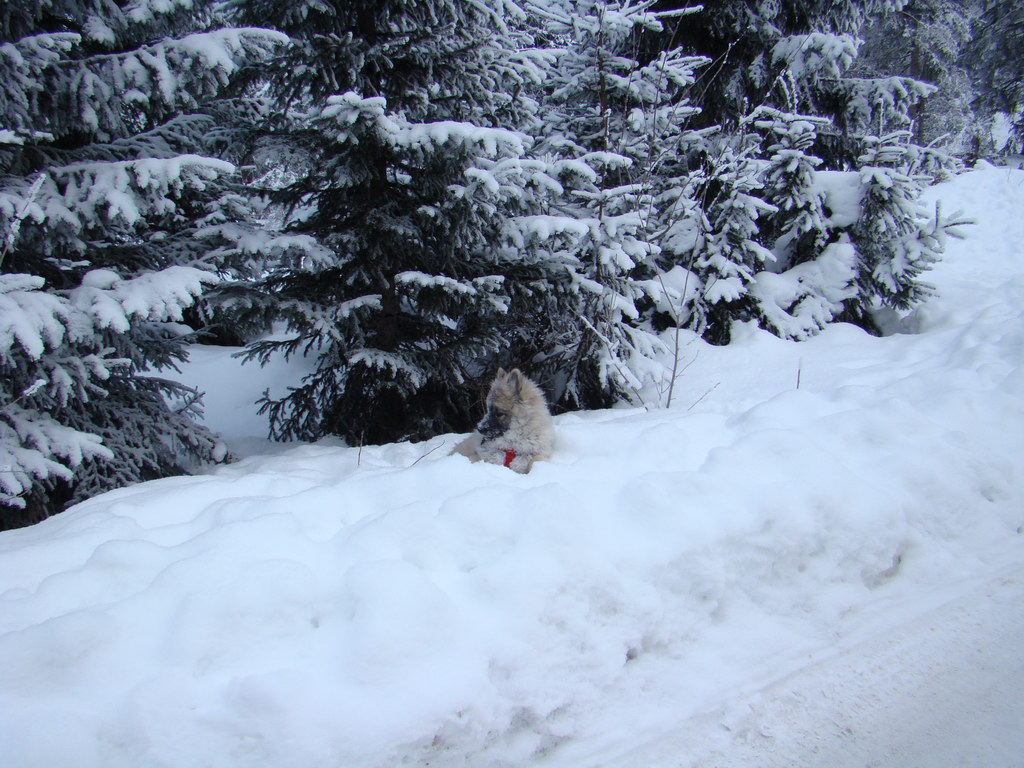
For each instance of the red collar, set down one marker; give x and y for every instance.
(510, 456)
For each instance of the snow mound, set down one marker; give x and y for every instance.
(397, 605)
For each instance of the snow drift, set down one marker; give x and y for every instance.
(389, 605)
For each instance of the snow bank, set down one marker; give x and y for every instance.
(369, 607)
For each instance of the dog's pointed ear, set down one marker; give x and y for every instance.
(515, 378)
(500, 374)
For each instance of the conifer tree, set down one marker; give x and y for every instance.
(896, 238)
(926, 40)
(731, 254)
(993, 56)
(389, 118)
(799, 229)
(766, 243)
(797, 57)
(811, 275)
(619, 127)
(107, 179)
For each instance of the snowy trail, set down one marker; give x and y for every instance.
(932, 685)
(908, 695)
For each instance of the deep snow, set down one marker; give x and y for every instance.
(813, 558)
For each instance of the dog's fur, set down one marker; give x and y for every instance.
(517, 419)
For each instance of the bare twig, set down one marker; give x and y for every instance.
(439, 445)
(703, 396)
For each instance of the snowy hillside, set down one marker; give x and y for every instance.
(815, 557)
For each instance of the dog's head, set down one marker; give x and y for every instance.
(505, 396)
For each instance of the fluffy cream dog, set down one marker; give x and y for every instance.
(516, 430)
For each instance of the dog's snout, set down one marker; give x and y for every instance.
(492, 426)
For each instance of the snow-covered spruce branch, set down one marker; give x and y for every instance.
(113, 302)
(14, 225)
(352, 113)
(74, 199)
(30, 317)
(624, 374)
(131, 188)
(219, 52)
(34, 448)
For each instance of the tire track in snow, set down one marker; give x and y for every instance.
(941, 689)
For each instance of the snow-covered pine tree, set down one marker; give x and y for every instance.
(799, 227)
(390, 155)
(768, 244)
(814, 78)
(729, 254)
(740, 37)
(896, 237)
(617, 129)
(925, 40)
(892, 242)
(106, 113)
(994, 59)
(796, 56)
(810, 278)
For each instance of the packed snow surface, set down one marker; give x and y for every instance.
(813, 557)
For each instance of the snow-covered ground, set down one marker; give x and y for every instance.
(814, 558)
